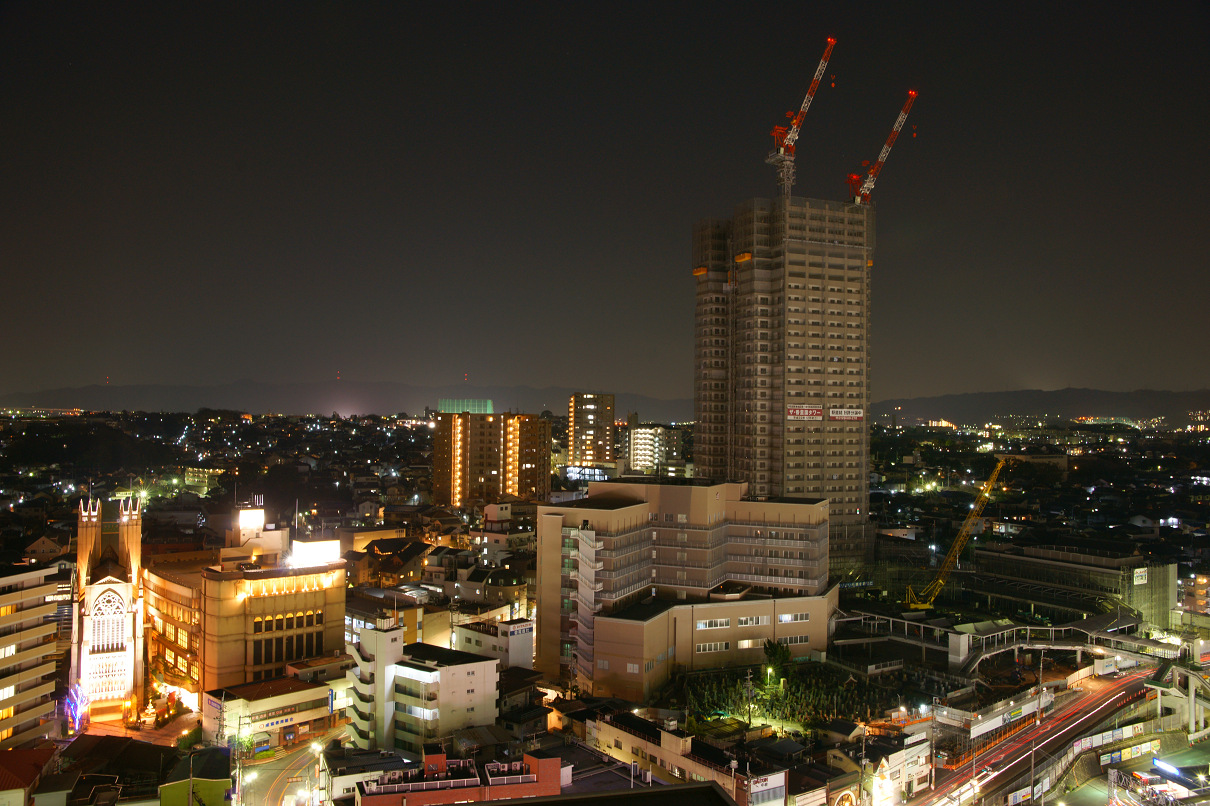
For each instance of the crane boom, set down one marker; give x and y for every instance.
(924, 599)
(863, 193)
(784, 137)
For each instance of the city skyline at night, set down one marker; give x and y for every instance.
(199, 195)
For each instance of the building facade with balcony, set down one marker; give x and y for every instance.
(685, 541)
(404, 695)
(27, 649)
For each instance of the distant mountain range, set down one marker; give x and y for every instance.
(350, 397)
(1067, 404)
(345, 397)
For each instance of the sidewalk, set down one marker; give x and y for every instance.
(166, 735)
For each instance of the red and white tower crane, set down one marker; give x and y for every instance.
(860, 187)
(784, 137)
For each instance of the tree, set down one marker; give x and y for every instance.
(777, 657)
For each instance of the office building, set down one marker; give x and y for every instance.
(1075, 578)
(781, 360)
(589, 429)
(624, 563)
(477, 458)
(241, 617)
(27, 649)
(278, 712)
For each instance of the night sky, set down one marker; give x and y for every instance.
(198, 193)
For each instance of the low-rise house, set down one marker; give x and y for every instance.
(20, 773)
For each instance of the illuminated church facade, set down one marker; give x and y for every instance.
(107, 633)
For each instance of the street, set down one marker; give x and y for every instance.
(1011, 758)
(267, 783)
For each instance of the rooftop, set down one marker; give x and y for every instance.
(428, 655)
(601, 502)
(264, 689)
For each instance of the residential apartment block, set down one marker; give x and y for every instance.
(589, 429)
(781, 360)
(404, 695)
(27, 649)
(477, 458)
(642, 542)
(511, 642)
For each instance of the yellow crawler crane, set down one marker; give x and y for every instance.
(924, 599)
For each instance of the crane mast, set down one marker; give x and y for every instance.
(924, 599)
(785, 137)
(861, 194)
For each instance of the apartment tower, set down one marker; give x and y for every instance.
(477, 458)
(782, 361)
(589, 429)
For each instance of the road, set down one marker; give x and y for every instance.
(1010, 759)
(272, 781)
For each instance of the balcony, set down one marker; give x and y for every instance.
(618, 593)
(364, 658)
(692, 583)
(585, 582)
(591, 605)
(37, 592)
(363, 721)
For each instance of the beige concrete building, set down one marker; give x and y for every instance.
(240, 618)
(589, 429)
(479, 457)
(781, 362)
(638, 649)
(712, 573)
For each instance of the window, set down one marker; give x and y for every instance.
(715, 646)
(790, 640)
(713, 623)
(470, 691)
(108, 623)
(258, 625)
(789, 618)
(632, 668)
(617, 743)
(753, 621)
(603, 664)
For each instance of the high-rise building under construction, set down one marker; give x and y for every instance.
(782, 361)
